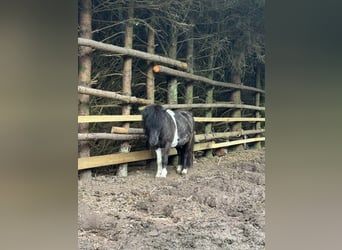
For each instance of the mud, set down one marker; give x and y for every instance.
(220, 204)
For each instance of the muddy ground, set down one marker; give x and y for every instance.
(220, 204)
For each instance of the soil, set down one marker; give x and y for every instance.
(220, 204)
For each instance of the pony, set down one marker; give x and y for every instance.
(164, 129)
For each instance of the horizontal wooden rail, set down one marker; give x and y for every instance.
(112, 95)
(131, 52)
(136, 118)
(119, 158)
(173, 72)
(123, 134)
(109, 118)
(207, 137)
(214, 105)
(228, 119)
(109, 136)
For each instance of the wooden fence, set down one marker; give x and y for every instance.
(203, 141)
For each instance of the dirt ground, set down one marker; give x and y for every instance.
(220, 204)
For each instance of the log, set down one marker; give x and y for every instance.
(108, 136)
(228, 119)
(121, 130)
(211, 136)
(173, 72)
(136, 118)
(132, 52)
(124, 134)
(212, 105)
(112, 95)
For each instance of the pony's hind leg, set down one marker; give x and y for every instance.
(180, 152)
(188, 157)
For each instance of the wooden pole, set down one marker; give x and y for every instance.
(257, 145)
(132, 53)
(173, 72)
(236, 94)
(126, 81)
(189, 87)
(108, 136)
(172, 92)
(84, 77)
(149, 73)
(118, 158)
(112, 95)
(209, 105)
(209, 100)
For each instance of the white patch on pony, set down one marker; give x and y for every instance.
(175, 136)
(179, 169)
(159, 162)
(185, 171)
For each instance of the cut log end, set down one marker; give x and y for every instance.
(156, 68)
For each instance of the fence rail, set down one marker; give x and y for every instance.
(137, 118)
(118, 158)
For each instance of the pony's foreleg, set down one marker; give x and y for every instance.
(162, 159)
(159, 162)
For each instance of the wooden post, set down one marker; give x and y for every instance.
(189, 87)
(172, 82)
(236, 94)
(84, 76)
(126, 81)
(149, 73)
(209, 99)
(257, 145)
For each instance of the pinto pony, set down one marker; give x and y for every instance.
(167, 129)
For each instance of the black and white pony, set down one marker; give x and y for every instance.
(167, 129)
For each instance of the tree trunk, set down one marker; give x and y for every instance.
(126, 80)
(84, 77)
(236, 94)
(172, 82)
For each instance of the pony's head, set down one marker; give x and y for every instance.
(153, 122)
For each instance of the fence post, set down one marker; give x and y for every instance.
(84, 76)
(126, 81)
(257, 145)
(238, 59)
(151, 50)
(209, 99)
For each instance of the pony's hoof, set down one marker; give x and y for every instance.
(184, 171)
(162, 173)
(179, 169)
